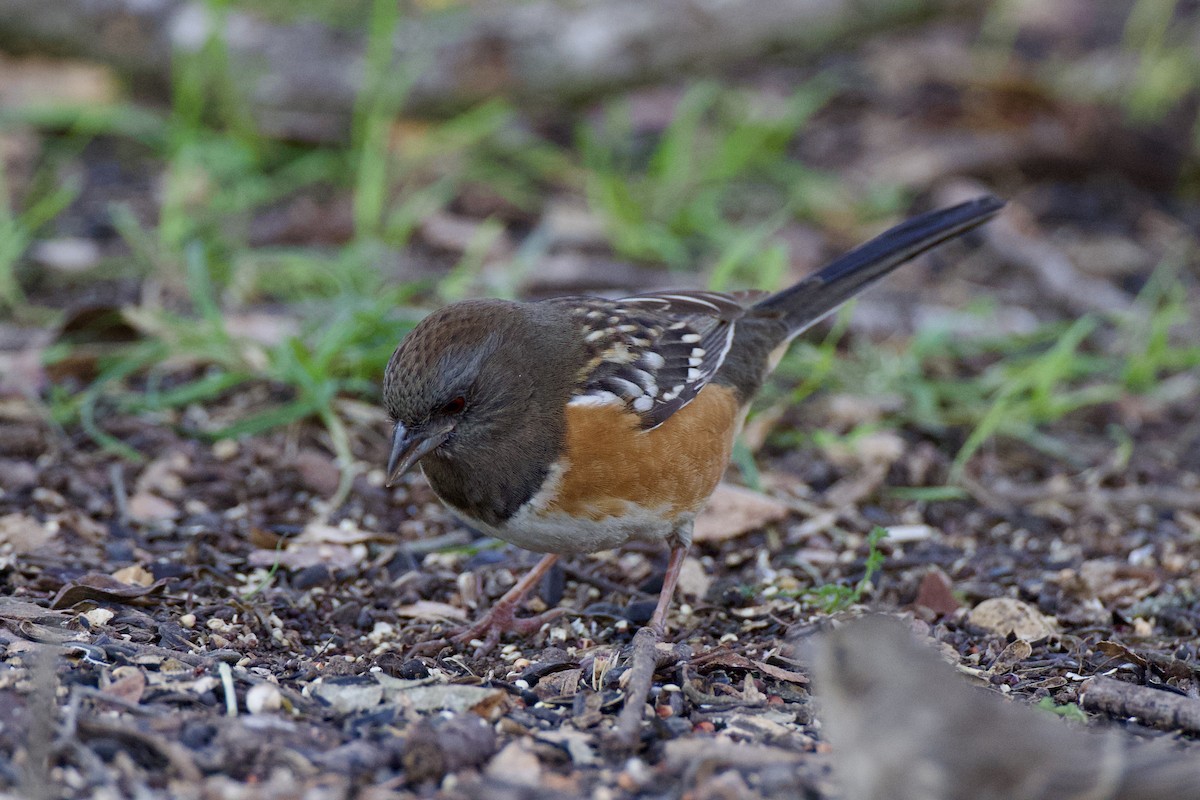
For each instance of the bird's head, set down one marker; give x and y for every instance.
(469, 378)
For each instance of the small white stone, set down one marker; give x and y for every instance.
(263, 697)
(225, 449)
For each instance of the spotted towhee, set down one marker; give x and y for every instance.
(578, 424)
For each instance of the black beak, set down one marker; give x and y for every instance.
(410, 445)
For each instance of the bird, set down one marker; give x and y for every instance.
(579, 424)
(904, 726)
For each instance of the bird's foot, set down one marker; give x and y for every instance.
(501, 619)
(487, 631)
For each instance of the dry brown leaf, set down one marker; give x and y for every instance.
(1014, 653)
(149, 507)
(1113, 582)
(129, 683)
(1116, 650)
(935, 593)
(455, 698)
(102, 588)
(733, 511)
(730, 660)
(21, 533)
(134, 575)
(431, 610)
(161, 476)
(693, 580)
(23, 372)
(515, 765)
(1005, 616)
(348, 694)
(46, 634)
(880, 447)
(334, 556)
(320, 533)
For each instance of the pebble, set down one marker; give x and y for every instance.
(225, 449)
(263, 697)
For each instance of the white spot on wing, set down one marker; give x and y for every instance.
(653, 360)
(647, 381)
(596, 399)
(630, 388)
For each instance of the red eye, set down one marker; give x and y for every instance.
(455, 406)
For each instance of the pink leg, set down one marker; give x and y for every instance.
(502, 618)
(674, 565)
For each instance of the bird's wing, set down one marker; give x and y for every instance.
(654, 352)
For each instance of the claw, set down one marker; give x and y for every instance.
(500, 620)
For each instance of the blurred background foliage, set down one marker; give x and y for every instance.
(223, 256)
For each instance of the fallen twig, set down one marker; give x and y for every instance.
(1153, 707)
(643, 661)
(645, 658)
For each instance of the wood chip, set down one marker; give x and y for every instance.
(935, 594)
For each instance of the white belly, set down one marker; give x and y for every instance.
(535, 527)
(558, 533)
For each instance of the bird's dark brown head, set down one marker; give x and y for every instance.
(477, 398)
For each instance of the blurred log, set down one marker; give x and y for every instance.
(301, 79)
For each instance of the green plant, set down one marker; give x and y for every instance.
(833, 597)
(1167, 64)
(716, 166)
(219, 172)
(1149, 345)
(1070, 711)
(17, 229)
(1007, 386)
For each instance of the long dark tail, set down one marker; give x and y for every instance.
(817, 295)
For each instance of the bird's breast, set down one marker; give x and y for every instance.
(616, 482)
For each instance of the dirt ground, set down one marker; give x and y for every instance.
(214, 629)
